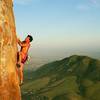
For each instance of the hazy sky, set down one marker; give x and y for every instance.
(59, 26)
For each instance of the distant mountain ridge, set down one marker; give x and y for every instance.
(72, 78)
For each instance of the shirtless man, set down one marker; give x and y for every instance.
(22, 55)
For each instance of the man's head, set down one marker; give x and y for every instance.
(30, 38)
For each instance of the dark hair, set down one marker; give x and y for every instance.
(31, 38)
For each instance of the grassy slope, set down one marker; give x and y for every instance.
(74, 77)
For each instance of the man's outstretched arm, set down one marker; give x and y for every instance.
(21, 43)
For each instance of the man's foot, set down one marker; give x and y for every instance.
(21, 83)
(18, 65)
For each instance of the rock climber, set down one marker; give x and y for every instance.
(22, 55)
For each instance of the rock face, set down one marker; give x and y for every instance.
(9, 85)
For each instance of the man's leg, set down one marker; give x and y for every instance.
(19, 60)
(21, 73)
(18, 73)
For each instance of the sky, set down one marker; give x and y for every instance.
(59, 27)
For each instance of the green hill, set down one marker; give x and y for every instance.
(72, 78)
